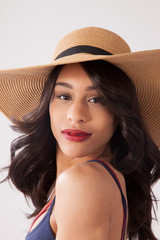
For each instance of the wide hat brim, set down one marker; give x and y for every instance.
(20, 89)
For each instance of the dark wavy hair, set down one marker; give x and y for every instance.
(33, 155)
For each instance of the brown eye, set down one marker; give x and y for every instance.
(94, 100)
(64, 97)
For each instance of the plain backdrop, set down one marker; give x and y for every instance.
(29, 32)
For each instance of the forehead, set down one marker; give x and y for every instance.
(75, 75)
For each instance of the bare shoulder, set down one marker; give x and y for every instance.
(92, 180)
(87, 178)
(83, 192)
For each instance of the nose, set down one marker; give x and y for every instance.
(77, 112)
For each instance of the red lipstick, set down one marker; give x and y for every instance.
(75, 135)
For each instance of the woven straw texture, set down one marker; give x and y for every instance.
(20, 89)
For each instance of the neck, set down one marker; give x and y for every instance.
(64, 162)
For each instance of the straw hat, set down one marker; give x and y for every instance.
(20, 89)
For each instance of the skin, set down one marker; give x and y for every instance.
(88, 203)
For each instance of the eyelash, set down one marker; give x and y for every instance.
(69, 98)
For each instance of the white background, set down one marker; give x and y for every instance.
(29, 31)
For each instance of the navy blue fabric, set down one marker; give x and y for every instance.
(43, 230)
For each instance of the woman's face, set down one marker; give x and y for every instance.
(81, 124)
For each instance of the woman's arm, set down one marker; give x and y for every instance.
(83, 205)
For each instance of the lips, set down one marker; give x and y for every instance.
(75, 132)
(75, 135)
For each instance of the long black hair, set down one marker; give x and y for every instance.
(135, 155)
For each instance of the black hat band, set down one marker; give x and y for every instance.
(83, 49)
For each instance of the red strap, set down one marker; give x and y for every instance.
(124, 213)
(41, 212)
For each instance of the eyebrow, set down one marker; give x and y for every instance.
(67, 85)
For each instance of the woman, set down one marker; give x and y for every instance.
(89, 152)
